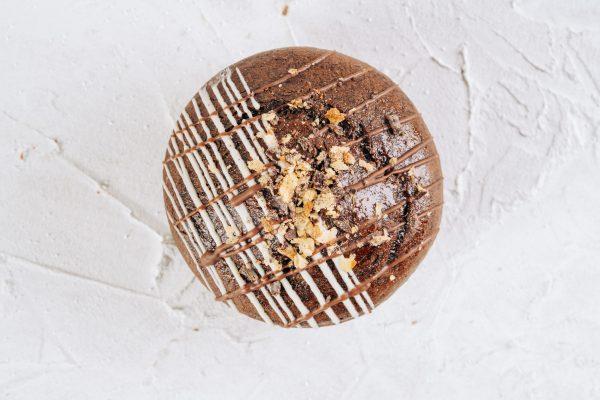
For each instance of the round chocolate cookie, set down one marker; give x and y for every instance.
(302, 187)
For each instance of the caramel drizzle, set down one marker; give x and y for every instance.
(341, 80)
(373, 99)
(251, 243)
(262, 89)
(212, 257)
(365, 103)
(245, 195)
(324, 246)
(209, 258)
(381, 130)
(240, 198)
(211, 139)
(372, 221)
(222, 195)
(247, 121)
(289, 75)
(365, 224)
(365, 285)
(382, 174)
(274, 276)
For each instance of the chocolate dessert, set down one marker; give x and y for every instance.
(302, 187)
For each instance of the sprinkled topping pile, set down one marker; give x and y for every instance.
(306, 192)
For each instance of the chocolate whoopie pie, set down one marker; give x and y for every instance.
(302, 187)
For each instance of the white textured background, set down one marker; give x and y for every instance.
(95, 302)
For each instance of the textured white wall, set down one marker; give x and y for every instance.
(95, 302)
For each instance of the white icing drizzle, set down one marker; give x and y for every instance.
(365, 293)
(337, 287)
(208, 223)
(221, 210)
(241, 210)
(191, 230)
(240, 107)
(213, 146)
(242, 167)
(245, 216)
(232, 120)
(324, 268)
(239, 97)
(200, 271)
(247, 89)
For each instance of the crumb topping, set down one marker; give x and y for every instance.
(312, 166)
(304, 186)
(256, 165)
(334, 116)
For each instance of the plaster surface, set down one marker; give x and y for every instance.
(96, 303)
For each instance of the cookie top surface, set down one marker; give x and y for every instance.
(302, 186)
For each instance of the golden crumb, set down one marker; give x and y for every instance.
(256, 165)
(313, 230)
(306, 246)
(332, 213)
(293, 71)
(324, 201)
(275, 265)
(335, 116)
(349, 158)
(287, 187)
(268, 225)
(299, 261)
(301, 223)
(393, 161)
(307, 207)
(231, 234)
(339, 166)
(309, 195)
(347, 263)
(321, 156)
(303, 165)
(392, 278)
(336, 153)
(379, 239)
(296, 103)
(329, 173)
(287, 251)
(366, 165)
(285, 10)
(325, 235)
(378, 209)
(264, 180)
(354, 229)
(286, 139)
(271, 116)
